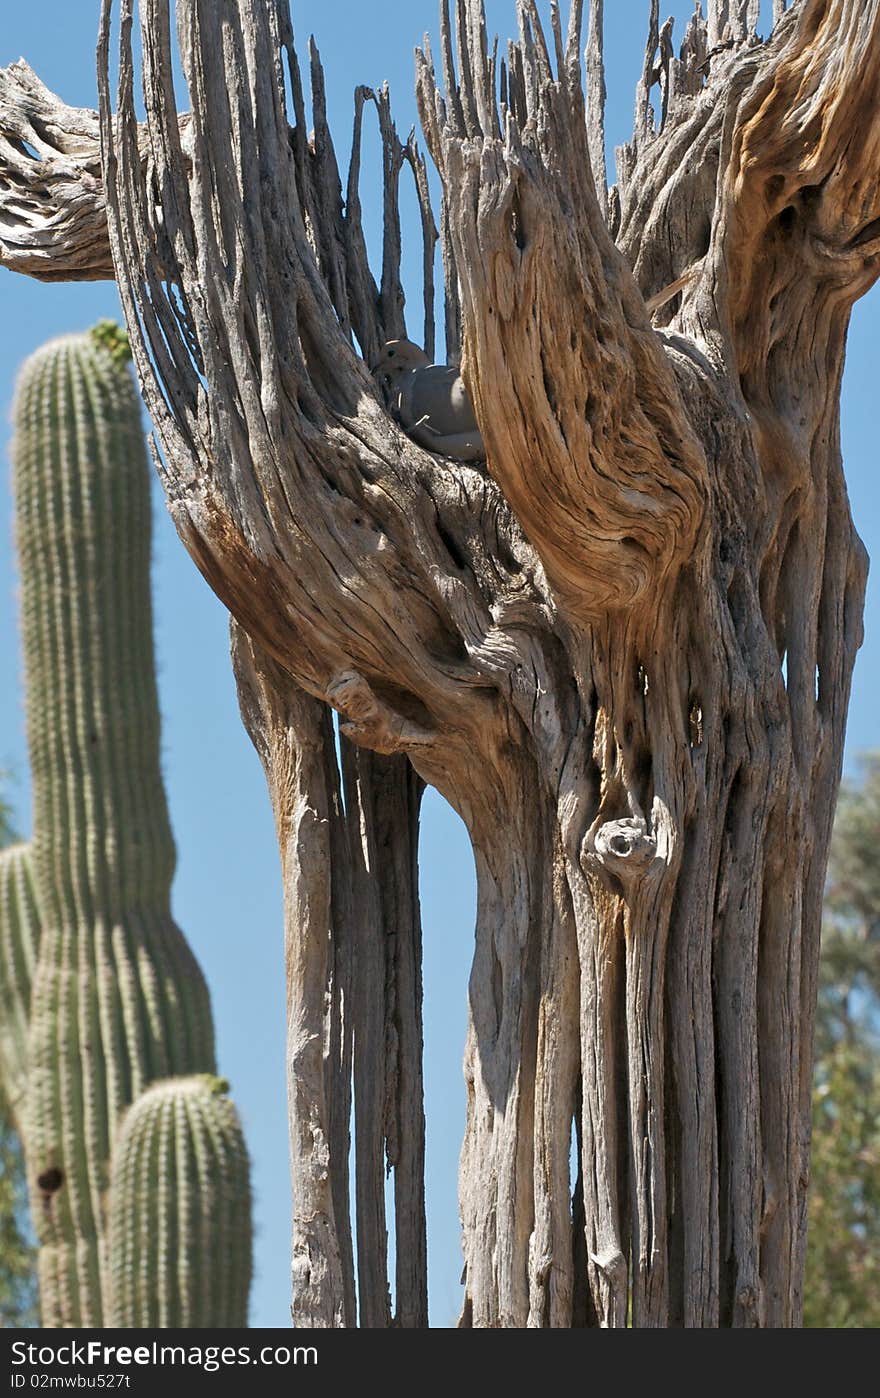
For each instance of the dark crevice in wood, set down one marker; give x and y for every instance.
(583, 1311)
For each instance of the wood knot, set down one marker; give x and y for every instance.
(623, 848)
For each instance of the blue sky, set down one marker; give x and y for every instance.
(226, 894)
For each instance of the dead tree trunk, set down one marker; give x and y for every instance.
(354, 998)
(623, 651)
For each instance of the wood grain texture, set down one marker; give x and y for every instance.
(623, 651)
(348, 835)
(53, 218)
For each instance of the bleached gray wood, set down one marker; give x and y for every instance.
(53, 218)
(622, 651)
(392, 797)
(596, 93)
(288, 730)
(353, 956)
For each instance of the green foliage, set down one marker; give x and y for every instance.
(113, 339)
(843, 1253)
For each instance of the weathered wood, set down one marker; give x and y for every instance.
(596, 96)
(53, 218)
(532, 251)
(290, 732)
(623, 652)
(397, 794)
(370, 1043)
(354, 1002)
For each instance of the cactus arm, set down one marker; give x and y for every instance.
(179, 1210)
(19, 942)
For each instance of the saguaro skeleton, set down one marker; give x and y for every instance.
(622, 651)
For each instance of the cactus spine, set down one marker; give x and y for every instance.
(179, 1210)
(117, 999)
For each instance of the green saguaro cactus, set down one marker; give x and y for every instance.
(19, 942)
(117, 1000)
(179, 1210)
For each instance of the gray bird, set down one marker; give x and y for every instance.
(430, 401)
